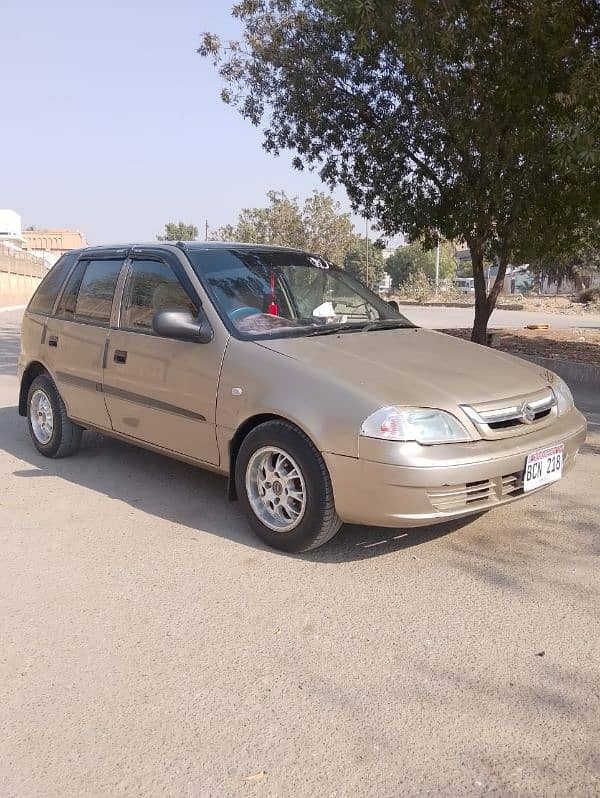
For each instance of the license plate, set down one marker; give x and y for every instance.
(543, 467)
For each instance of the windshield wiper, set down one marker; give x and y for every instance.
(387, 324)
(332, 329)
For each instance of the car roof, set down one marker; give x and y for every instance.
(192, 245)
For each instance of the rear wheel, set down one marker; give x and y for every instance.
(52, 432)
(284, 486)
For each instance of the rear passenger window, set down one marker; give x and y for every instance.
(89, 293)
(151, 286)
(45, 296)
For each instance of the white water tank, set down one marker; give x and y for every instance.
(10, 226)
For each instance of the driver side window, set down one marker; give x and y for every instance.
(152, 285)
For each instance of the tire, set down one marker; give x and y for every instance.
(52, 433)
(273, 505)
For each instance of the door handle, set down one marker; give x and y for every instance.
(120, 356)
(53, 340)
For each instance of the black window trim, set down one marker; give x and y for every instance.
(62, 288)
(64, 256)
(109, 253)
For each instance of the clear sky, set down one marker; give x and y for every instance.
(113, 125)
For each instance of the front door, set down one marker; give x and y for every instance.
(160, 390)
(75, 338)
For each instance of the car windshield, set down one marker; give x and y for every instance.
(274, 293)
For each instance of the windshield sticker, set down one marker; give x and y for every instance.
(320, 263)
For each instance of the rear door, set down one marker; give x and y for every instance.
(160, 390)
(75, 337)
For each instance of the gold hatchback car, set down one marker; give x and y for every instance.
(319, 401)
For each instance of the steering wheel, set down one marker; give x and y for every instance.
(241, 313)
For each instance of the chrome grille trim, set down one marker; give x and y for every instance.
(515, 415)
(512, 412)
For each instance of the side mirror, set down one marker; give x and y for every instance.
(181, 325)
(394, 305)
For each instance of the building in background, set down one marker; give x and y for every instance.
(51, 244)
(20, 271)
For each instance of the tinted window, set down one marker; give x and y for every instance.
(151, 286)
(44, 298)
(89, 293)
(66, 306)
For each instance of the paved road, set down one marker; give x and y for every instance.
(150, 646)
(449, 318)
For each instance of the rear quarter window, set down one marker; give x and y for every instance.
(44, 298)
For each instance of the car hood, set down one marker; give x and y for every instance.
(414, 366)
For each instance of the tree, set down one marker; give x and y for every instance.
(179, 231)
(413, 258)
(280, 222)
(317, 225)
(578, 140)
(557, 265)
(440, 118)
(327, 231)
(355, 262)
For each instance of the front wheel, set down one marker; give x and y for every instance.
(284, 486)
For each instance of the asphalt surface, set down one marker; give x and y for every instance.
(448, 318)
(150, 646)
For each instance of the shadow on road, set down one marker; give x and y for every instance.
(185, 495)
(196, 499)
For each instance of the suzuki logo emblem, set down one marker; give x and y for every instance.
(527, 413)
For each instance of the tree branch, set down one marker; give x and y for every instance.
(369, 117)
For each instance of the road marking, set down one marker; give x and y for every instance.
(12, 307)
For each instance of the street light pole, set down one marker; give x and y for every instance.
(437, 267)
(367, 247)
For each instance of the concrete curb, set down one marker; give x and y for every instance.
(586, 374)
(411, 303)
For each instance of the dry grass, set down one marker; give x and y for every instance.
(578, 345)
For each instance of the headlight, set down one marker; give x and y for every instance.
(562, 394)
(420, 424)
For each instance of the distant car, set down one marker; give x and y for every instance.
(318, 400)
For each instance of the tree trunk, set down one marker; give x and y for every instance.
(484, 304)
(498, 283)
(482, 315)
(577, 279)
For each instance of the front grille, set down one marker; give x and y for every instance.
(513, 416)
(512, 485)
(482, 493)
(516, 422)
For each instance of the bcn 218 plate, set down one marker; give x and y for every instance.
(543, 467)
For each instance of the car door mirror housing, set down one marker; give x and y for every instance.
(182, 325)
(394, 305)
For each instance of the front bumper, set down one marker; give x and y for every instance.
(411, 485)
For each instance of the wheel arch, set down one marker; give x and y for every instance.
(33, 370)
(240, 434)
